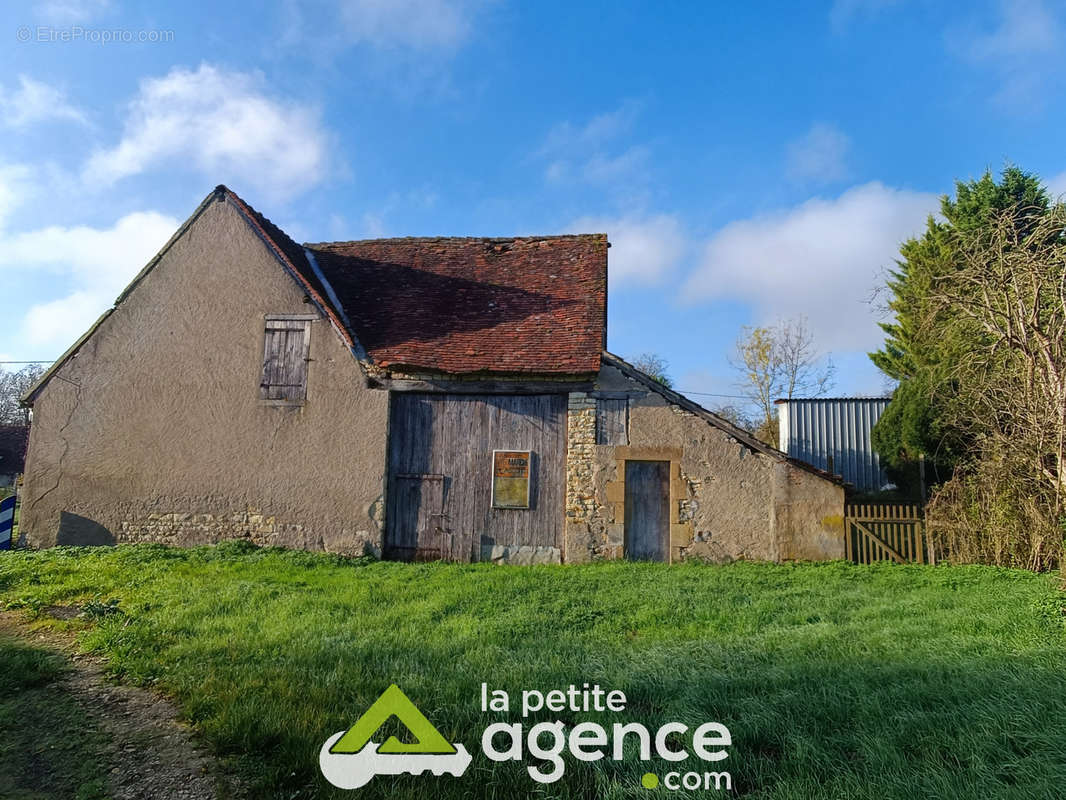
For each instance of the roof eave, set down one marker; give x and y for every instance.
(219, 194)
(28, 397)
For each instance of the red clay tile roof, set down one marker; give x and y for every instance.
(534, 305)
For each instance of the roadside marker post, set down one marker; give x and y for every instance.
(7, 521)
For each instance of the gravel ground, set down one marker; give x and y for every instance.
(151, 753)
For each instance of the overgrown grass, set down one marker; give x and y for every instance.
(836, 681)
(49, 747)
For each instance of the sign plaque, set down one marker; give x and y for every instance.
(510, 478)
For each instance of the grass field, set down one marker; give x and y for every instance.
(836, 681)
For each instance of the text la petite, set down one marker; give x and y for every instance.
(571, 699)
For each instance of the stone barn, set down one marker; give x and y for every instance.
(418, 398)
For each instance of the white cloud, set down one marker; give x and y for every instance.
(15, 186)
(1024, 50)
(33, 101)
(96, 263)
(57, 324)
(600, 168)
(1025, 27)
(421, 24)
(585, 153)
(66, 11)
(644, 251)
(819, 156)
(598, 130)
(822, 259)
(418, 25)
(222, 123)
(1056, 186)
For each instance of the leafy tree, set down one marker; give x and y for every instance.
(654, 366)
(918, 353)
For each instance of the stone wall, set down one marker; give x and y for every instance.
(189, 529)
(727, 501)
(808, 516)
(523, 555)
(581, 506)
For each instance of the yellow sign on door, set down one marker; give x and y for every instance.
(510, 478)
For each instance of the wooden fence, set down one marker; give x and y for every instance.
(886, 533)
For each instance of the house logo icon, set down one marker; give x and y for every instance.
(349, 759)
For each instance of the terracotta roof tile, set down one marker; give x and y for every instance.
(533, 305)
(463, 305)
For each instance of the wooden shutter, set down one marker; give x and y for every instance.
(612, 421)
(285, 352)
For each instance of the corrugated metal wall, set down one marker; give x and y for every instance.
(815, 430)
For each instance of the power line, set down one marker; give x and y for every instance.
(38, 361)
(712, 394)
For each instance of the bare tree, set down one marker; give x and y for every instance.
(1005, 308)
(736, 414)
(654, 366)
(13, 384)
(779, 361)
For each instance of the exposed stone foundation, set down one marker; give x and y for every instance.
(189, 529)
(524, 554)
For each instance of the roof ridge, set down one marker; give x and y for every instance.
(288, 252)
(276, 230)
(532, 237)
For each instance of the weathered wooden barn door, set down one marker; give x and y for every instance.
(418, 529)
(647, 520)
(454, 435)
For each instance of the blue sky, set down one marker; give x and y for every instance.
(750, 162)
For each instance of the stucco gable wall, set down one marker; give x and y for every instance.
(808, 515)
(156, 430)
(726, 502)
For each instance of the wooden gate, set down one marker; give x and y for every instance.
(886, 533)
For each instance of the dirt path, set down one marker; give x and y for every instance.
(151, 754)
